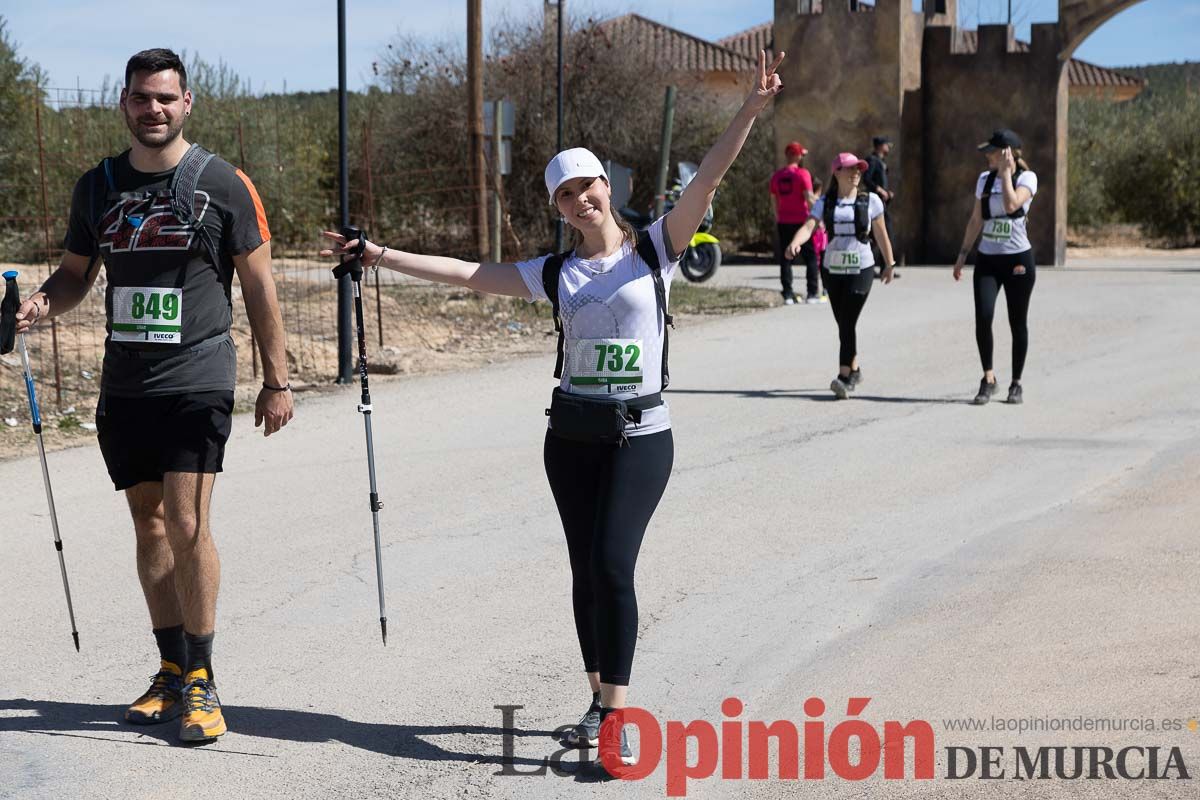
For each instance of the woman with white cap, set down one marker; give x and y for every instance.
(1004, 193)
(851, 216)
(608, 450)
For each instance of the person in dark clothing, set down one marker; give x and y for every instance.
(875, 179)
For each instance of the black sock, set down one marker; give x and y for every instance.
(170, 645)
(596, 700)
(199, 652)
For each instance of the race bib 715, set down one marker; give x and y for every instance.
(149, 314)
(843, 260)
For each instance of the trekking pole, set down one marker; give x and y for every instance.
(8, 326)
(354, 268)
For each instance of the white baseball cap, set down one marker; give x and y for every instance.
(578, 162)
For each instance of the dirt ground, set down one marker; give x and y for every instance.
(427, 330)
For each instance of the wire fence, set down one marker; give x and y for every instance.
(74, 128)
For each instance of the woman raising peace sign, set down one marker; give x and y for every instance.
(608, 449)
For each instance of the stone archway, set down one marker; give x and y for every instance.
(1079, 19)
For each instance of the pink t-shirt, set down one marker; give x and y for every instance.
(791, 186)
(820, 240)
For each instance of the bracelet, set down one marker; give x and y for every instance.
(375, 266)
(287, 387)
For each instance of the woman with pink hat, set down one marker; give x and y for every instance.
(608, 449)
(851, 216)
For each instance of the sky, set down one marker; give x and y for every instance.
(274, 43)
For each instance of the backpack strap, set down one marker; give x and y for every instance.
(648, 253)
(862, 217)
(183, 194)
(828, 209)
(102, 188)
(985, 202)
(551, 268)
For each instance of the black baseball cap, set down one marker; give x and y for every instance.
(881, 140)
(1001, 138)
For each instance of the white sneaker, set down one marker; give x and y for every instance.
(789, 301)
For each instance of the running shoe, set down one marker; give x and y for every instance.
(1014, 394)
(812, 300)
(840, 387)
(986, 390)
(202, 719)
(855, 379)
(587, 730)
(598, 772)
(789, 301)
(163, 701)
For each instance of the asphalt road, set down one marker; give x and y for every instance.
(1035, 563)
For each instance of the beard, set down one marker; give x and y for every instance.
(157, 138)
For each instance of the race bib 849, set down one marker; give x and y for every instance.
(148, 314)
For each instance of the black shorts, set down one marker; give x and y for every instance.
(142, 438)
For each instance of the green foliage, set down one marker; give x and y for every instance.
(1139, 162)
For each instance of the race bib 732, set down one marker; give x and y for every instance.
(606, 365)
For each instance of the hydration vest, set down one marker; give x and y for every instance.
(862, 216)
(985, 201)
(180, 195)
(552, 268)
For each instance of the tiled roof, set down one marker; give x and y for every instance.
(751, 40)
(1079, 73)
(681, 50)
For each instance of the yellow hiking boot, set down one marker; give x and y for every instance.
(202, 719)
(163, 701)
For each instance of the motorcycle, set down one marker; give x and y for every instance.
(703, 254)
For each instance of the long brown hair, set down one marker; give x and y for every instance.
(1019, 159)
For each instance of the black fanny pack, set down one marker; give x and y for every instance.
(600, 420)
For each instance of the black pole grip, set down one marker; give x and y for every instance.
(352, 266)
(8, 313)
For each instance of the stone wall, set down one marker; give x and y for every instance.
(848, 76)
(965, 97)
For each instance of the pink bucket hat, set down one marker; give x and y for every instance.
(843, 160)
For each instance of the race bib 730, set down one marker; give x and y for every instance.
(149, 314)
(998, 230)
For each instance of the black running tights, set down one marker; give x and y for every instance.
(606, 496)
(847, 296)
(1015, 274)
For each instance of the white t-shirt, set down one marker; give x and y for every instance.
(1002, 235)
(613, 331)
(846, 255)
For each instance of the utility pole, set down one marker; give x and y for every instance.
(345, 323)
(475, 124)
(664, 153)
(558, 225)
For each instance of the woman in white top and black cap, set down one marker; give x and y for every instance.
(851, 216)
(609, 449)
(1004, 192)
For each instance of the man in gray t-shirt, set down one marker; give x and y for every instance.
(166, 399)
